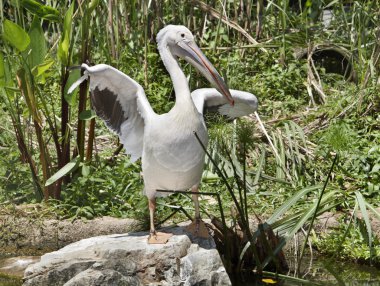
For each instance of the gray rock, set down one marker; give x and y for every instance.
(32, 236)
(105, 277)
(127, 259)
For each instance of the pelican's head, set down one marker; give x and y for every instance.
(180, 42)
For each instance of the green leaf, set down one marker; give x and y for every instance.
(27, 88)
(2, 70)
(363, 209)
(64, 43)
(97, 180)
(87, 115)
(15, 35)
(260, 167)
(40, 71)
(42, 68)
(375, 168)
(73, 77)
(85, 170)
(309, 213)
(42, 11)
(291, 202)
(6, 76)
(67, 169)
(37, 43)
(93, 4)
(331, 4)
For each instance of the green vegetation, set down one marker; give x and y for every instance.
(353, 246)
(6, 280)
(317, 84)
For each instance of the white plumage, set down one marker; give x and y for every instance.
(172, 158)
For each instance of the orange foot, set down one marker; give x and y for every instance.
(198, 229)
(159, 237)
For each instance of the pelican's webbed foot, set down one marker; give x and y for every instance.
(198, 228)
(156, 237)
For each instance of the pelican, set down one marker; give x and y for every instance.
(171, 156)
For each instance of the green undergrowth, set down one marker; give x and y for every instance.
(349, 245)
(106, 188)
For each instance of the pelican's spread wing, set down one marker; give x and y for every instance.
(120, 102)
(209, 98)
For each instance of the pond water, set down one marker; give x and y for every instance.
(328, 271)
(322, 271)
(8, 280)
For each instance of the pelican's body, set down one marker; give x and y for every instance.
(173, 160)
(172, 157)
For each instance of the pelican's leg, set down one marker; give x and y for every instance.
(152, 209)
(195, 189)
(154, 236)
(197, 227)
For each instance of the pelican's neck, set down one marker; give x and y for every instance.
(180, 84)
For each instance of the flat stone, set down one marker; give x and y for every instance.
(127, 259)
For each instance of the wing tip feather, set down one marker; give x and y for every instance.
(77, 83)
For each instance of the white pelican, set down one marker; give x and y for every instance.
(172, 158)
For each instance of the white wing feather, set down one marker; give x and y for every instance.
(209, 98)
(120, 102)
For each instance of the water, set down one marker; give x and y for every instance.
(12, 269)
(322, 271)
(332, 272)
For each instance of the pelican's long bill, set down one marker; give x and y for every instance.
(193, 54)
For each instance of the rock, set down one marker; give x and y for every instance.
(127, 259)
(25, 236)
(102, 277)
(16, 266)
(327, 222)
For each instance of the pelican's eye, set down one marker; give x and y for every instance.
(182, 35)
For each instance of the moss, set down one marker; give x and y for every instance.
(9, 280)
